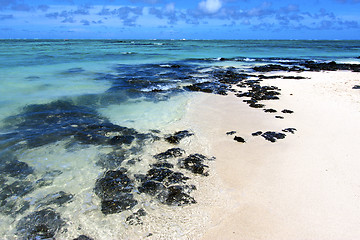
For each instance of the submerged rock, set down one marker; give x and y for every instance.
(178, 136)
(58, 198)
(111, 160)
(170, 153)
(273, 136)
(15, 189)
(176, 195)
(43, 224)
(195, 164)
(114, 189)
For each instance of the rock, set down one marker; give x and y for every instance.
(162, 165)
(270, 68)
(270, 110)
(135, 218)
(83, 237)
(43, 224)
(356, 87)
(287, 111)
(114, 189)
(294, 77)
(258, 133)
(58, 198)
(231, 133)
(279, 117)
(170, 153)
(290, 130)
(122, 202)
(165, 176)
(195, 164)
(118, 140)
(151, 187)
(41, 124)
(15, 189)
(273, 136)
(256, 105)
(330, 66)
(48, 178)
(178, 136)
(239, 139)
(12, 167)
(111, 160)
(14, 206)
(176, 195)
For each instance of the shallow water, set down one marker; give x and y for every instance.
(72, 112)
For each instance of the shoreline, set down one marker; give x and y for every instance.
(302, 187)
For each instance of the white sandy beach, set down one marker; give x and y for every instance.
(306, 186)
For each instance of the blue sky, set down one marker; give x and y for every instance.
(190, 19)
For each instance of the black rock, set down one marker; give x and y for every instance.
(122, 202)
(231, 133)
(163, 165)
(273, 136)
(118, 140)
(178, 136)
(293, 77)
(170, 153)
(166, 176)
(176, 195)
(14, 206)
(135, 218)
(11, 166)
(270, 68)
(290, 130)
(270, 110)
(58, 198)
(195, 164)
(151, 187)
(258, 133)
(15, 189)
(239, 139)
(287, 111)
(43, 224)
(256, 105)
(111, 160)
(83, 237)
(114, 190)
(330, 66)
(279, 117)
(356, 87)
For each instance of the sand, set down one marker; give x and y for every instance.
(306, 186)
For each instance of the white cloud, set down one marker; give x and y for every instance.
(210, 6)
(169, 8)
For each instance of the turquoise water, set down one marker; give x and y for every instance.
(73, 111)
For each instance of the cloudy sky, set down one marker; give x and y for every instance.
(172, 19)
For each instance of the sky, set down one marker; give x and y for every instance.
(185, 19)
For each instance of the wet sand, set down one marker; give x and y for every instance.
(306, 186)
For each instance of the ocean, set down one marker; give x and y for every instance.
(92, 141)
